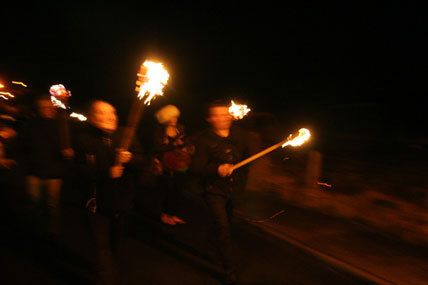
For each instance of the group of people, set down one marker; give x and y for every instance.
(109, 175)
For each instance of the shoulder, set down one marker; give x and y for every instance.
(201, 136)
(239, 132)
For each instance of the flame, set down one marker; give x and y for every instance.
(1, 85)
(57, 103)
(152, 81)
(324, 184)
(78, 116)
(19, 83)
(238, 111)
(59, 92)
(7, 93)
(300, 139)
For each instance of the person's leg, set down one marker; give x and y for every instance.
(167, 203)
(173, 195)
(33, 187)
(218, 206)
(53, 201)
(117, 231)
(106, 266)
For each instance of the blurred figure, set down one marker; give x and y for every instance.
(44, 166)
(6, 135)
(111, 175)
(218, 148)
(9, 178)
(172, 154)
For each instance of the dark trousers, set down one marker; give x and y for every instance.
(220, 208)
(171, 185)
(107, 233)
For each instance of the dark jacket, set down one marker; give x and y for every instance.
(39, 142)
(95, 154)
(211, 151)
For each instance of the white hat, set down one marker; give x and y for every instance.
(166, 113)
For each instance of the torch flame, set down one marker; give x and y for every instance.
(300, 139)
(238, 111)
(19, 83)
(78, 116)
(154, 80)
(57, 103)
(59, 92)
(7, 93)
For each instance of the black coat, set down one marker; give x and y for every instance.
(112, 195)
(40, 148)
(211, 151)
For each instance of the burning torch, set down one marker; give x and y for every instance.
(152, 78)
(292, 140)
(238, 111)
(59, 98)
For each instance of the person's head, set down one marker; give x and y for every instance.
(103, 116)
(168, 115)
(218, 115)
(45, 108)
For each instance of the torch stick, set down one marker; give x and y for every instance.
(257, 155)
(298, 140)
(152, 78)
(133, 120)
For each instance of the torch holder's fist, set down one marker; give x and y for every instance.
(123, 156)
(116, 171)
(225, 170)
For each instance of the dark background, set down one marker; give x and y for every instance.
(343, 67)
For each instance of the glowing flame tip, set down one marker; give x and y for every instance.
(301, 138)
(78, 116)
(153, 81)
(238, 111)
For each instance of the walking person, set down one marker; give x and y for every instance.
(216, 150)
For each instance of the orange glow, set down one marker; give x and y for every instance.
(19, 83)
(238, 111)
(324, 184)
(298, 140)
(152, 79)
(1, 85)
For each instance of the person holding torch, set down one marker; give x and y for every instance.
(110, 174)
(217, 149)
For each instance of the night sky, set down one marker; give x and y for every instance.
(308, 62)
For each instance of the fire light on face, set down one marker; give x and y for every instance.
(152, 79)
(238, 111)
